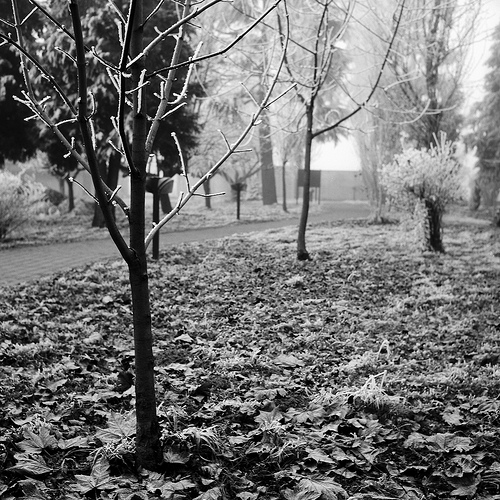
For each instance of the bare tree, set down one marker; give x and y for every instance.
(135, 82)
(228, 79)
(289, 148)
(429, 62)
(420, 94)
(314, 64)
(223, 105)
(376, 135)
(237, 173)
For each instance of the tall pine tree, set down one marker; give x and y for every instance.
(486, 130)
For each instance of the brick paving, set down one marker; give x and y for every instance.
(30, 263)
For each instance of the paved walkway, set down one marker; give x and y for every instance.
(29, 263)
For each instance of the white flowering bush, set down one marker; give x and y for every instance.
(422, 183)
(21, 198)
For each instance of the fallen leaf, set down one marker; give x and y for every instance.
(119, 427)
(288, 360)
(31, 466)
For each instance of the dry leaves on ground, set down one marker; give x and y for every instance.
(371, 372)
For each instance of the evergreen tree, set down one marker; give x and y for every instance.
(99, 25)
(18, 137)
(486, 129)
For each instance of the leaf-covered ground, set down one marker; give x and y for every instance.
(371, 372)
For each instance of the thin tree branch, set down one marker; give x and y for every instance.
(153, 12)
(219, 52)
(166, 86)
(181, 158)
(118, 12)
(8, 23)
(172, 29)
(122, 90)
(377, 81)
(232, 148)
(85, 190)
(287, 62)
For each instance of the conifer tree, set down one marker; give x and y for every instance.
(98, 21)
(486, 129)
(18, 137)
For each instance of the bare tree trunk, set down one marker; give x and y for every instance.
(110, 176)
(208, 198)
(283, 184)
(148, 449)
(496, 218)
(98, 220)
(266, 157)
(434, 219)
(71, 195)
(475, 199)
(302, 253)
(238, 188)
(113, 174)
(376, 197)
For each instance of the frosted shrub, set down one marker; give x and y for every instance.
(422, 183)
(20, 199)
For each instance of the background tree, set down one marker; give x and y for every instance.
(237, 173)
(18, 137)
(485, 122)
(289, 146)
(217, 112)
(260, 48)
(316, 65)
(135, 81)
(372, 145)
(235, 79)
(420, 94)
(376, 133)
(97, 22)
(429, 62)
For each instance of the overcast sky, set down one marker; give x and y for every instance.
(344, 156)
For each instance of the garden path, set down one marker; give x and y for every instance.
(30, 263)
